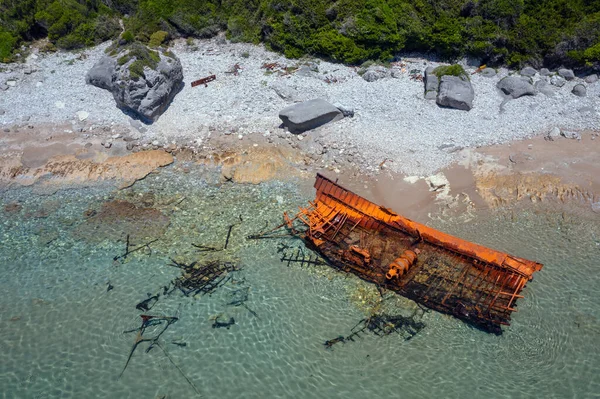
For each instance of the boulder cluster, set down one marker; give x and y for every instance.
(450, 85)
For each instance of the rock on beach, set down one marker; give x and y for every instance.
(515, 86)
(148, 95)
(456, 93)
(308, 115)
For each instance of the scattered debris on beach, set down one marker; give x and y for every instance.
(204, 81)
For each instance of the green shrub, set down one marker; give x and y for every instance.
(453, 70)
(127, 37)
(8, 43)
(158, 38)
(592, 54)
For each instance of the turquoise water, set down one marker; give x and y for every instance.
(62, 330)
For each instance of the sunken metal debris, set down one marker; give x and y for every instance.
(382, 325)
(129, 251)
(161, 323)
(202, 277)
(473, 283)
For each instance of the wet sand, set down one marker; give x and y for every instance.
(527, 171)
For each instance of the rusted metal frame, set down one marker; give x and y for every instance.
(485, 281)
(520, 286)
(476, 277)
(340, 225)
(441, 278)
(458, 280)
(325, 222)
(487, 295)
(320, 216)
(510, 294)
(506, 279)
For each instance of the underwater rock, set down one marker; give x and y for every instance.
(118, 219)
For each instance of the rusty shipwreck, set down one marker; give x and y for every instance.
(445, 273)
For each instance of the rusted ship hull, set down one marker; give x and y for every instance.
(442, 272)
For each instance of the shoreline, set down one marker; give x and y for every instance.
(523, 173)
(399, 150)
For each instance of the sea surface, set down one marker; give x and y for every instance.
(66, 303)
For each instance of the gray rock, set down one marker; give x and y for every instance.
(3, 86)
(396, 73)
(284, 91)
(554, 133)
(515, 86)
(102, 74)
(29, 69)
(579, 90)
(593, 78)
(375, 72)
(571, 135)
(543, 87)
(310, 69)
(528, 71)
(545, 72)
(346, 111)
(488, 72)
(2, 112)
(146, 96)
(432, 84)
(309, 115)
(566, 73)
(455, 92)
(557, 81)
(586, 110)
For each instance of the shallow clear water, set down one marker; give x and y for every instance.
(62, 332)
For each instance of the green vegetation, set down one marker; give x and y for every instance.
(158, 38)
(513, 32)
(141, 55)
(454, 70)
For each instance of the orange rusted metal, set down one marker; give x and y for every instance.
(204, 81)
(474, 283)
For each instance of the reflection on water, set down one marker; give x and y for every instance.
(66, 303)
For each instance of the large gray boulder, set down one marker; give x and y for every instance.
(309, 115)
(516, 86)
(142, 81)
(376, 72)
(544, 87)
(593, 78)
(579, 90)
(566, 73)
(431, 84)
(528, 71)
(101, 74)
(557, 81)
(455, 92)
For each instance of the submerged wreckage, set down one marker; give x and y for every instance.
(445, 273)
